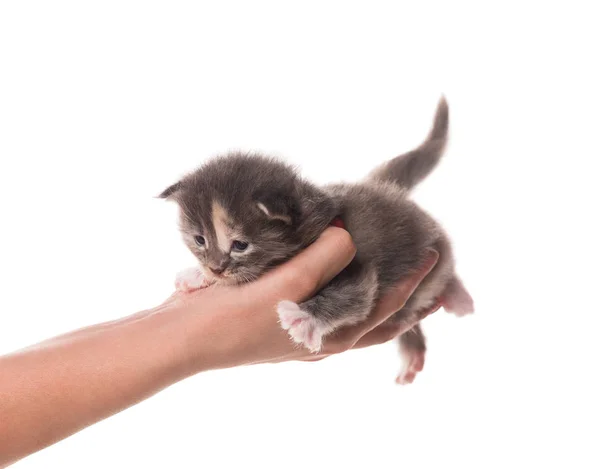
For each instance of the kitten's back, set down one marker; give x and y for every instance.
(389, 230)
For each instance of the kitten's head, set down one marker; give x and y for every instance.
(241, 214)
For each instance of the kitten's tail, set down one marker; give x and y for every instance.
(409, 169)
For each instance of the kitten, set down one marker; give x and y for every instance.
(243, 214)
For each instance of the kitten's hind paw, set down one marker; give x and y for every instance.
(456, 299)
(303, 327)
(190, 279)
(414, 360)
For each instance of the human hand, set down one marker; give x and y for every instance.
(84, 376)
(226, 326)
(375, 329)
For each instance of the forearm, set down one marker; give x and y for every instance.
(54, 389)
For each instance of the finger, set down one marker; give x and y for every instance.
(312, 269)
(385, 333)
(393, 301)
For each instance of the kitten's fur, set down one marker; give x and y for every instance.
(263, 202)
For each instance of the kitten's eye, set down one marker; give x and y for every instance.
(239, 246)
(200, 241)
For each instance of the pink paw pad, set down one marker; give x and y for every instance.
(414, 361)
(189, 280)
(456, 299)
(302, 327)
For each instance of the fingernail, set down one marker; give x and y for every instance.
(431, 252)
(431, 257)
(432, 310)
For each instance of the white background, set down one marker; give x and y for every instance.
(103, 104)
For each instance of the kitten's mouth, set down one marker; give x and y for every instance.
(214, 277)
(226, 277)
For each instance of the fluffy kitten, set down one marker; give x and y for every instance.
(241, 215)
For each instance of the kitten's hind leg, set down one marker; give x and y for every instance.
(412, 349)
(456, 299)
(347, 299)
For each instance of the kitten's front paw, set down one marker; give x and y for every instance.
(302, 326)
(414, 360)
(190, 279)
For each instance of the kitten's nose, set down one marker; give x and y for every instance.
(220, 268)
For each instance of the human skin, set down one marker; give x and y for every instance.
(58, 387)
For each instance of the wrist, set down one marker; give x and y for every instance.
(219, 328)
(160, 334)
(195, 338)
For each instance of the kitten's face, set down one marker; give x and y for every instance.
(234, 247)
(241, 215)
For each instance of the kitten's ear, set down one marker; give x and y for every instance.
(170, 191)
(278, 206)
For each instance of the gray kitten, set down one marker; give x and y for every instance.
(241, 215)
